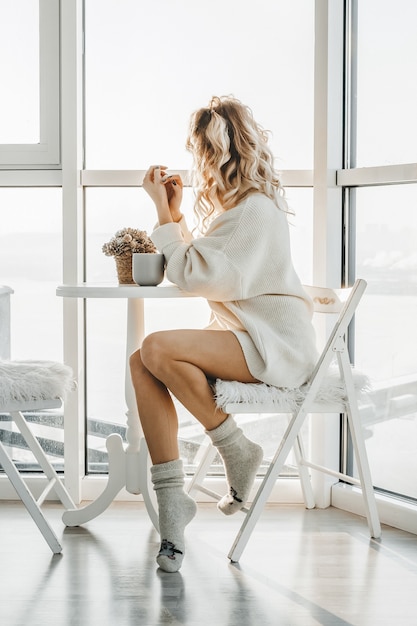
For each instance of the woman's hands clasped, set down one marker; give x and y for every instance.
(166, 192)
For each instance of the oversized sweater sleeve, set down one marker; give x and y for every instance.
(185, 230)
(186, 234)
(201, 265)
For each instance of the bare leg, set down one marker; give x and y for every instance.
(157, 412)
(181, 360)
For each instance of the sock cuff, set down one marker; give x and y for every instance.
(166, 471)
(225, 429)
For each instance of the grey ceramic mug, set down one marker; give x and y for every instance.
(148, 268)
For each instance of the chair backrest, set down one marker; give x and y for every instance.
(327, 300)
(344, 302)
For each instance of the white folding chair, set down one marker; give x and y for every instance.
(31, 386)
(312, 398)
(16, 409)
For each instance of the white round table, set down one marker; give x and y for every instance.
(128, 467)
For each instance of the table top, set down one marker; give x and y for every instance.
(113, 290)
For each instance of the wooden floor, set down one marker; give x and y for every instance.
(300, 568)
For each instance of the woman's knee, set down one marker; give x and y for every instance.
(136, 364)
(154, 352)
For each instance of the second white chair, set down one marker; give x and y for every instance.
(16, 406)
(31, 386)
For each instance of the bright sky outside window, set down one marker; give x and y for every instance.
(19, 72)
(169, 58)
(387, 89)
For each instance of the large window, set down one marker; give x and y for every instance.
(31, 218)
(147, 66)
(108, 210)
(386, 235)
(384, 232)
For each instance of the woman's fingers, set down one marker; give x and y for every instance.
(154, 172)
(174, 179)
(160, 186)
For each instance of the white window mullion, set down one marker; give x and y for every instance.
(327, 226)
(401, 173)
(133, 178)
(73, 225)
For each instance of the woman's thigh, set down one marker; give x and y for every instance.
(216, 352)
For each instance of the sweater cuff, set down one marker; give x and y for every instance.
(167, 234)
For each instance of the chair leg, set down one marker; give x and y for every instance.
(42, 459)
(202, 469)
(305, 479)
(266, 486)
(29, 501)
(360, 449)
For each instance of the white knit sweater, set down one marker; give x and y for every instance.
(243, 266)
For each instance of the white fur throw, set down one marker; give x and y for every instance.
(286, 400)
(23, 381)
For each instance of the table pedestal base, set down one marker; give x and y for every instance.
(122, 466)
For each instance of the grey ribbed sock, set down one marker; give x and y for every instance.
(241, 458)
(176, 510)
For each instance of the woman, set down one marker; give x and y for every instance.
(261, 317)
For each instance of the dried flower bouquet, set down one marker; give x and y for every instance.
(126, 242)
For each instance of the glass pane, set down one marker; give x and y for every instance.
(387, 91)
(107, 211)
(300, 201)
(386, 332)
(141, 89)
(19, 51)
(30, 263)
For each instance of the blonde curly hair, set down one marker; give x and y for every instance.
(231, 156)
